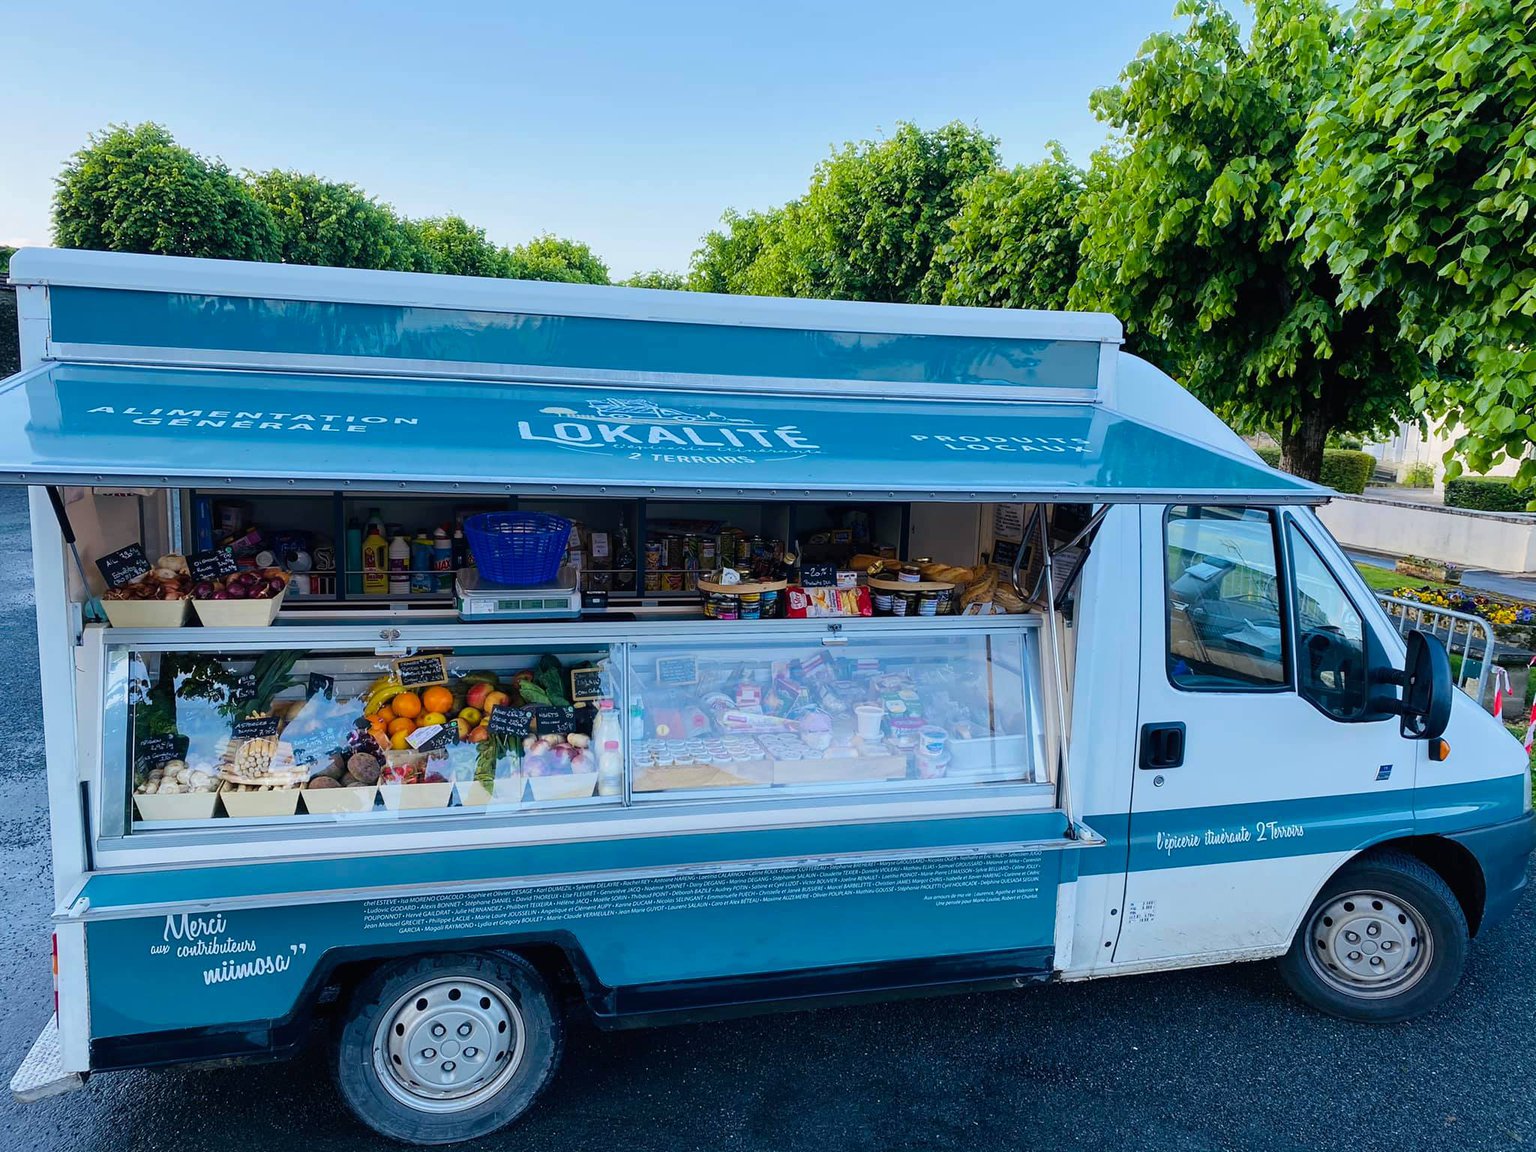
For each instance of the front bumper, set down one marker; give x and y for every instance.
(1503, 851)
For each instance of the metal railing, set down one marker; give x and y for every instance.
(1470, 637)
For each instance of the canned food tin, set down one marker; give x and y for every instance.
(751, 606)
(928, 603)
(723, 606)
(770, 608)
(883, 603)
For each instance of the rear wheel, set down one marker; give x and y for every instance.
(1385, 941)
(447, 1048)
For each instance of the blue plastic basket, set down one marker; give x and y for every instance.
(518, 548)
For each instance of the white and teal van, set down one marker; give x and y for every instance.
(1194, 738)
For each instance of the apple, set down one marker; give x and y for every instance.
(464, 728)
(478, 735)
(492, 701)
(477, 694)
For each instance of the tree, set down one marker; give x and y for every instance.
(137, 190)
(1417, 184)
(868, 227)
(1014, 240)
(1189, 234)
(550, 257)
(456, 247)
(339, 225)
(656, 278)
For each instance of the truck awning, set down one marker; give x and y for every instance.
(140, 426)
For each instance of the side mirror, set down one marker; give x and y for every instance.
(1426, 704)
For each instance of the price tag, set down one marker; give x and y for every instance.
(123, 566)
(212, 565)
(554, 718)
(245, 688)
(154, 751)
(507, 721)
(818, 575)
(321, 685)
(677, 670)
(433, 737)
(254, 728)
(586, 684)
(421, 671)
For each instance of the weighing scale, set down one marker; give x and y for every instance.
(479, 599)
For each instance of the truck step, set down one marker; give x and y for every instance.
(42, 1073)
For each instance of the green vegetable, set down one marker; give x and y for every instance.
(550, 675)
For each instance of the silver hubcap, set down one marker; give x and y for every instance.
(1369, 944)
(448, 1045)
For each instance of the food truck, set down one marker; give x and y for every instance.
(428, 659)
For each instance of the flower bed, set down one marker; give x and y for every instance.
(1499, 613)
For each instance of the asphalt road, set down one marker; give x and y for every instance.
(1214, 1059)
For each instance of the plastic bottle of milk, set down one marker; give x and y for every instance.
(608, 738)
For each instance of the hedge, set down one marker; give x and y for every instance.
(1344, 469)
(1487, 494)
(1270, 455)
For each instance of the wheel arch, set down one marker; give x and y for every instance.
(1452, 862)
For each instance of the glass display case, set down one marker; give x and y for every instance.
(289, 734)
(790, 713)
(506, 722)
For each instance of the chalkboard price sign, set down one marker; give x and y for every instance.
(212, 565)
(507, 721)
(123, 566)
(421, 671)
(245, 688)
(586, 684)
(818, 575)
(677, 671)
(554, 718)
(156, 750)
(321, 685)
(254, 728)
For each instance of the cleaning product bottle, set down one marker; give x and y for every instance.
(460, 547)
(375, 561)
(608, 738)
(442, 559)
(354, 557)
(399, 564)
(422, 578)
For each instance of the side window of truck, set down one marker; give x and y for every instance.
(1330, 635)
(1226, 625)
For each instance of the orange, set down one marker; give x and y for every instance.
(383, 715)
(407, 704)
(437, 699)
(401, 724)
(398, 741)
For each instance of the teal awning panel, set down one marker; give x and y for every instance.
(96, 424)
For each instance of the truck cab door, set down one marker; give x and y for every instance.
(1258, 770)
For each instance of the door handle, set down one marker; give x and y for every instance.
(1162, 745)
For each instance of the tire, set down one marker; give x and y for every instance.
(447, 1024)
(1384, 941)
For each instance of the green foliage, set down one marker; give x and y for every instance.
(137, 190)
(1189, 233)
(5, 259)
(549, 257)
(1014, 240)
(1347, 470)
(1487, 494)
(1419, 476)
(656, 278)
(456, 247)
(868, 228)
(1270, 454)
(322, 222)
(1417, 184)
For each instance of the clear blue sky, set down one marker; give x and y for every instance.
(628, 125)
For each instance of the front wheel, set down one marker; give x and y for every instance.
(1385, 941)
(447, 1048)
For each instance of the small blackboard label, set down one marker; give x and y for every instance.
(508, 721)
(212, 565)
(554, 718)
(245, 688)
(123, 566)
(254, 728)
(421, 671)
(818, 575)
(433, 737)
(156, 750)
(321, 685)
(586, 684)
(677, 670)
